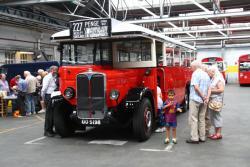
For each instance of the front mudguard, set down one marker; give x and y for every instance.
(136, 95)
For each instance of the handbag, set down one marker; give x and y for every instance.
(215, 105)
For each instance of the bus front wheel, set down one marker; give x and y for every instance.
(143, 120)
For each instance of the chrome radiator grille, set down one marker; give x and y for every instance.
(91, 95)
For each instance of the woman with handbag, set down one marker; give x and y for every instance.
(215, 101)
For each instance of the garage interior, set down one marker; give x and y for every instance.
(217, 28)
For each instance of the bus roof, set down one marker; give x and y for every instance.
(244, 57)
(212, 59)
(122, 28)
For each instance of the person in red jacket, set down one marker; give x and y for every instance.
(13, 82)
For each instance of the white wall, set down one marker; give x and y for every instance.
(24, 34)
(230, 56)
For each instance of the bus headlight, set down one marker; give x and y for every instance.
(114, 94)
(69, 93)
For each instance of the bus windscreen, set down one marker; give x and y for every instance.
(219, 65)
(244, 67)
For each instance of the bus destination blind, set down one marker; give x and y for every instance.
(90, 29)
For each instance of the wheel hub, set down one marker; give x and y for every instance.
(186, 99)
(148, 118)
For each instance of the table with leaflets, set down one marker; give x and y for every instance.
(6, 104)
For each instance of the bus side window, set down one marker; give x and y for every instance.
(68, 52)
(159, 53)
(134, 51)
(192, 57)
(187, 60)
(183, 58)
(169, 57)
(177, 57)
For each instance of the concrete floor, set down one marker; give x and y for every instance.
(23, 145)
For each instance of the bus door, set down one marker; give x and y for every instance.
(160, 67)
(165, 80)
(165, 72)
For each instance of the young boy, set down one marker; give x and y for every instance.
(170, 108)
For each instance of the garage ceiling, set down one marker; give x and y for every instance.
(202, 23)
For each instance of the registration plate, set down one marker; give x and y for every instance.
(91, 122)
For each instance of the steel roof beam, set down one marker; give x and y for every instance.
(102, 8)
(226, 46)
(214, 38)
(206, 10)
(29, 2)
(6, 18)
(202, 29)
(154, 15)
(194, 17)
(173, 25)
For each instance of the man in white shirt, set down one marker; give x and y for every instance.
(199, 85)
(48, 86)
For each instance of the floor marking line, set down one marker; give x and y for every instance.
(35, 140)
(108, 142)
(169, 147)
(22, 127)
(154, 150)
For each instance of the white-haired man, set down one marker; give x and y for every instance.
(31, 89)
(40, 72)
(198, 91)
(39, 78)
(49, 85)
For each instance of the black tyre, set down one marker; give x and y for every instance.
(63, 124)
(143, 120)
(185, 104)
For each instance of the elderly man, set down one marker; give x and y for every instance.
(39, 78)
(200, 83)
(49, 85)
(4, 86)
(40, 72)
(204, 67)
(31, 89)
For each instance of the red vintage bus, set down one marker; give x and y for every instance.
(109, 73)
(218, 62)
(244, 69)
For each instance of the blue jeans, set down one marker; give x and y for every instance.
(161, 118)
(30, 103)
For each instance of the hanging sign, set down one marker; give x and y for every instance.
(90, 28)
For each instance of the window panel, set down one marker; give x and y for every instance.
(10, 58)
(87, 53)
(245, 66)
(133, 51)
